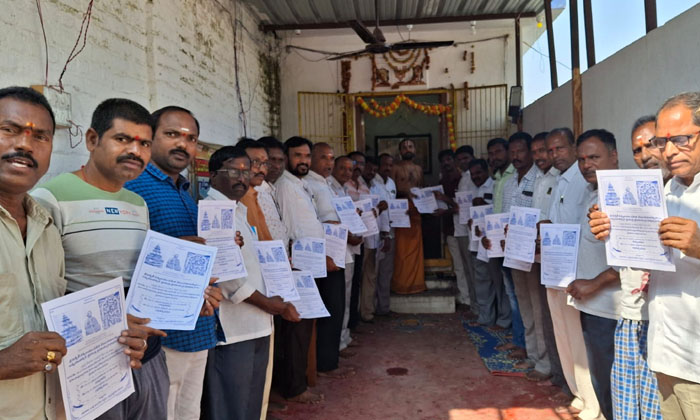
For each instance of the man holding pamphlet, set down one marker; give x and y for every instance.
(246, 311)
(101, 245)
(28, 355)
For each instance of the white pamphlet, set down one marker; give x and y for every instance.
(522, 233)
(95, 374)
(216, 222)
(398, 213)
(424, 200)
(310, 254)
(634, 201)
(310, 305)
(276, 271)
(372, 197)
(169, 281)
(336, 242)
(495, 225)
(347, 213)
(368, 217)
(559, 253)
(464, 201)
(478, 215)
(441, 204)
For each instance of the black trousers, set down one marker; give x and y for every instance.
(234, 383)
(599, 336)
(292, 341)
(355, 291)
(332, 290)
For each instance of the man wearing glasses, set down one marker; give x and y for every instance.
(674, 340)
(236, 378)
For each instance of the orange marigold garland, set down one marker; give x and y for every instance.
(381, 111)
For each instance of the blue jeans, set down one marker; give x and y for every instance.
(517, 321)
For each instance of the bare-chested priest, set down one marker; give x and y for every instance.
(409, 276)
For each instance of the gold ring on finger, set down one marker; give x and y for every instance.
(145, 344)
(50, 356)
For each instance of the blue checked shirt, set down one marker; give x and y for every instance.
(173, 212)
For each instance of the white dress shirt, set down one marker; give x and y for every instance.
(337, 188)
(295, 200)
(465, 185)
(323, 195)
(240, 320)
(544, 188)
(568, 199)
(674, 306)
(267, 204)
(591, 262)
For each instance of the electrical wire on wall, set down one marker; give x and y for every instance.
(74, 130)
(84, 26)
(46, 44)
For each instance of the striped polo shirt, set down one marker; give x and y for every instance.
(102, 232)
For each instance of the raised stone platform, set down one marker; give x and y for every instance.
(438, 299)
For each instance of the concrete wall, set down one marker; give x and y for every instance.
(633, 82)
(156, 52)
(306, 71)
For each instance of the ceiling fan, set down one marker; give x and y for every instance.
(376, 43)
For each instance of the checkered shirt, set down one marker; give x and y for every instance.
(520, 194)
(173, 212)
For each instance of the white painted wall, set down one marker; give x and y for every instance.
(302, 71)
(158, 53)
(633, 82)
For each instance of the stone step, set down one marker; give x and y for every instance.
(440, 284)
(429, 302)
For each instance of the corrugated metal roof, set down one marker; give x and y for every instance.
(305, 12)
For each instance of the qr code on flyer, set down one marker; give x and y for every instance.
(648, 193)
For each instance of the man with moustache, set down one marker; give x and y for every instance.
(596, 291)
(331, 288)
(567, 206)
(173, 212)
(386, 189)
(542, 200)
(341, 174)
(633, 384)
(409, 270)
(673, 297)
(234, 385)
(295, 201)
(102, 227)
(31, 260)
(520, 189)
